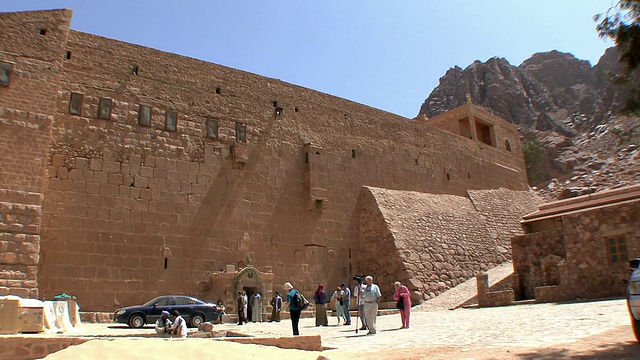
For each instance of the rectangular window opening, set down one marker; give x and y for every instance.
(448, 177)
(68, 56)
(212, 129)
(104, 109)
(318, 203)
(144, 115)
(353, 153)
(5, 73)
(75, 104)
(43, 32)
(166, 262)
(241, 133)
(170, 121)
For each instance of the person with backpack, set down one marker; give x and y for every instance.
(294, 308)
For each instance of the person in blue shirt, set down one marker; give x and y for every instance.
(320, 298)
(294, 309)
(346, 303)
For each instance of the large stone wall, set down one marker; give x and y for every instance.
(32, 44)
(133, 211)
(433, 242)
(502, 211)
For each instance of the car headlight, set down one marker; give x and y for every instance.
(634, 287)
(120, 312)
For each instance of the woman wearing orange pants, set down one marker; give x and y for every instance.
(403, 297)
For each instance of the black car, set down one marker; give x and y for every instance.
(194, 311)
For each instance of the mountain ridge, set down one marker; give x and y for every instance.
(565, 105)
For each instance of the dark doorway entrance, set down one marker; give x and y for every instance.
(250, 291)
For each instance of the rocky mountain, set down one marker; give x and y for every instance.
(565, 110)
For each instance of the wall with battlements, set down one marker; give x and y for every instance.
(255, 170)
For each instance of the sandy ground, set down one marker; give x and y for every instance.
(588, 330)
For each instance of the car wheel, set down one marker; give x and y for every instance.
(136, 321)
(196, 320)
(635, 324)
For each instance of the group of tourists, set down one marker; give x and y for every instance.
(368, 300)
(366, 292)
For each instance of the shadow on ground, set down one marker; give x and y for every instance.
(619, 350)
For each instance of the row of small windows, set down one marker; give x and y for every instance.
(144, 117)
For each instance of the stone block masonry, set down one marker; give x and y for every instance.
(20, 217)
(208, 162)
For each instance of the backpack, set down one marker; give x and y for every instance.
(301, 301)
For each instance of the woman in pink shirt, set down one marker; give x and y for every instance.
(402, 293)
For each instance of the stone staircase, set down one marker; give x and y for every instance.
(466, 293)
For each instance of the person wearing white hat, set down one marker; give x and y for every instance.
(163, 325)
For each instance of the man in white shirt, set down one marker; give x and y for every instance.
(371, 296)
(179, 327)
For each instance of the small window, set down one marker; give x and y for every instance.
(353, 153)
(218, 90)
(170, 120)
(617, 248)
(241, 133)
(212, 129)
(43, 32)
(75, 104)
(507, 145)
(5, 73)
(68, 56)
(136, 69)
(144, 115)
(104, 109)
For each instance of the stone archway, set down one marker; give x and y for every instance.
(226, 284)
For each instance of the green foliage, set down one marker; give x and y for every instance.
(621, 23)
(533, 158)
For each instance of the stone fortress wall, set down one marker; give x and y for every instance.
(132, 210)
(32, 58)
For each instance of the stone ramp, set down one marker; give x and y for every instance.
(463, 293)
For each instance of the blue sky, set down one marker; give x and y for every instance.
(386, 54)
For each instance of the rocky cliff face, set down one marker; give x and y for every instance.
(566, 104)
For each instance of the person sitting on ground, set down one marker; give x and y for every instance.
(179, 327)
(163, 325)
(219, 310)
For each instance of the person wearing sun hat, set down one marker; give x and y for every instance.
(163, 325)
